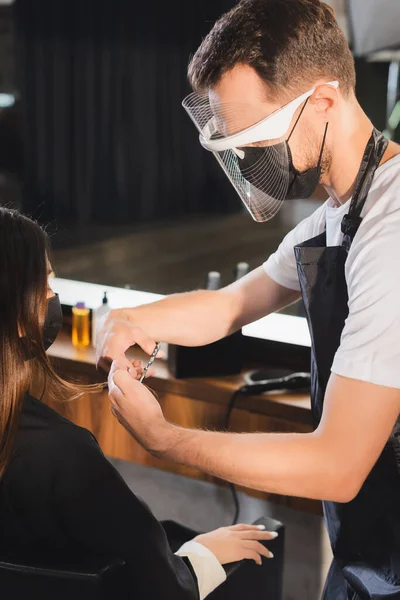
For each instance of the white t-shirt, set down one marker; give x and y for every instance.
(370, 343)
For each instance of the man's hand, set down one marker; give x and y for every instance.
(136, 408)
(116, 334)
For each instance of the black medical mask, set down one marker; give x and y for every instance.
(301, 184)
(53, 321)
(52, 324)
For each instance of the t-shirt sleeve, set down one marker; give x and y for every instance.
(370, 347)
(97, 510)
(281, 266)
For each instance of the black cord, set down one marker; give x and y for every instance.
(236, 503)
(294, 382)
(232, 486)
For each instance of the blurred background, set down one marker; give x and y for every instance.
(95, 143)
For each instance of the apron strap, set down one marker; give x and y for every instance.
(372, 158)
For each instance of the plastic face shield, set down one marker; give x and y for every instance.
(261, 178)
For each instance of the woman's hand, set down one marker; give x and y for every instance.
(135, 407)
(231, 544)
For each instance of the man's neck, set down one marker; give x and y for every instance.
(348, 142)
(349, 139)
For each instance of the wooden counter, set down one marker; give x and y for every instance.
(195, 403)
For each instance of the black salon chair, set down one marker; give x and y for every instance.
(101, 579)
(245, 579)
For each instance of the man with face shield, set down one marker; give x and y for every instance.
(257, 159)
(274, 100)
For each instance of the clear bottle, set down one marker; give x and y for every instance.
(242, 268)
(213, 280)
(80, 325)
(97, 314)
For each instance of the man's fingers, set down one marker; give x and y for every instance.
(121, 362)
(117, 336)
(144, 341)
(122, 379)
(138, 369)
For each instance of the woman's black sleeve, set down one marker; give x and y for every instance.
(99, 511)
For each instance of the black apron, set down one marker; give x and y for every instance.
(364, 533)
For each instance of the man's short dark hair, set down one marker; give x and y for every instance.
(289, 43)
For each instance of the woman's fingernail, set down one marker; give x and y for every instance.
(274, 534)
(271, 555)
(262, 527)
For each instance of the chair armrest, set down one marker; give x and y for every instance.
(93, 578)
(91, 569)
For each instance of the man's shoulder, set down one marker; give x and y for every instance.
(389, 172)
(384, 196)
(373, 253)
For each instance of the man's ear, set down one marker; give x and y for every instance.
(324, 100)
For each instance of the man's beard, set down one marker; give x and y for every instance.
(312, 151)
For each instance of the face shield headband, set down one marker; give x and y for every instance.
(262, 174)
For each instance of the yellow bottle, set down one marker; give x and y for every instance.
(80, 326)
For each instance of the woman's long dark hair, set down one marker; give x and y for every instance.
(24, 265)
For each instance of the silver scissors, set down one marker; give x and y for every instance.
(151, 360)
